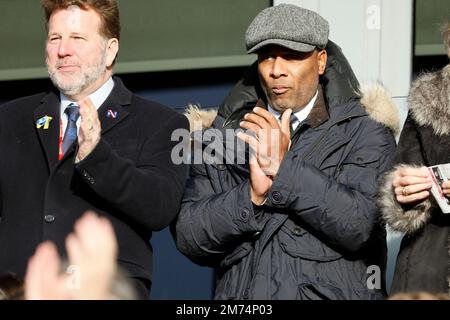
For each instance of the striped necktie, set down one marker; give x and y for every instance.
(291, 124)
(70, 135)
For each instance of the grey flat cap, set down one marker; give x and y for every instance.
(289, 26)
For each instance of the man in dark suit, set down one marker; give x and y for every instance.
(88, 144)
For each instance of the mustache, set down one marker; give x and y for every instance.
(63, 62)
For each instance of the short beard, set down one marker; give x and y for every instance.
(87, 77)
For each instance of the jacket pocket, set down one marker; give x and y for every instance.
(234, 272)
(362, 160)
(299, 243)
(237, 255)
(310, 291)
(360, 171)
(328, 152)
(324, 291)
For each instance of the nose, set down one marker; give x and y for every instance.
(278, 67)
(65, 48)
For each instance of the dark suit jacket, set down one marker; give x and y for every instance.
(129, 177)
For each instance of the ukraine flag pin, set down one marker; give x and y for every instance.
(44, 122)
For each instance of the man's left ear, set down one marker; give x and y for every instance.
(112, 49)
(322, 61)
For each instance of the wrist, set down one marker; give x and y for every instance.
(258, 200)
(85, 150)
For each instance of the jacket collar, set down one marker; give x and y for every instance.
(429, 101)
(114, 109)
(319, 113)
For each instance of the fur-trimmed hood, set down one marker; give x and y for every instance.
(375, 98)
(199, 118)
(380, 106)
(429, 100)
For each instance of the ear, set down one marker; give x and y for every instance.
(322, 61)
(112, 48)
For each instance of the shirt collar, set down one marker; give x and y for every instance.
(97, 97)
(300, 115)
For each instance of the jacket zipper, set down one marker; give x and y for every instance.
(260, 249)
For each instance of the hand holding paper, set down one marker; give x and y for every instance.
(441, 185)
(411, 184)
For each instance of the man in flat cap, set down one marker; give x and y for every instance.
(299, 219)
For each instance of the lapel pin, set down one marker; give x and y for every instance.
(44, 122)
(112, 114)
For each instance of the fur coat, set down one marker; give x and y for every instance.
(423, 263)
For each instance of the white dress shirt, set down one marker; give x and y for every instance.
(300, 115)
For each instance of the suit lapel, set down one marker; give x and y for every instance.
(112, 111)
(111, 114)
(49, 137)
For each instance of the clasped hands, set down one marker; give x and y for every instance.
(269, 142)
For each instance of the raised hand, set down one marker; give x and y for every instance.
(92, 248)
(92, 251)
(44, 280)
(90, 129)
(269, 144)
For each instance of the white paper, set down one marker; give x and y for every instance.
(439, 174)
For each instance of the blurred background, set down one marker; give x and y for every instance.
(180, 52)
